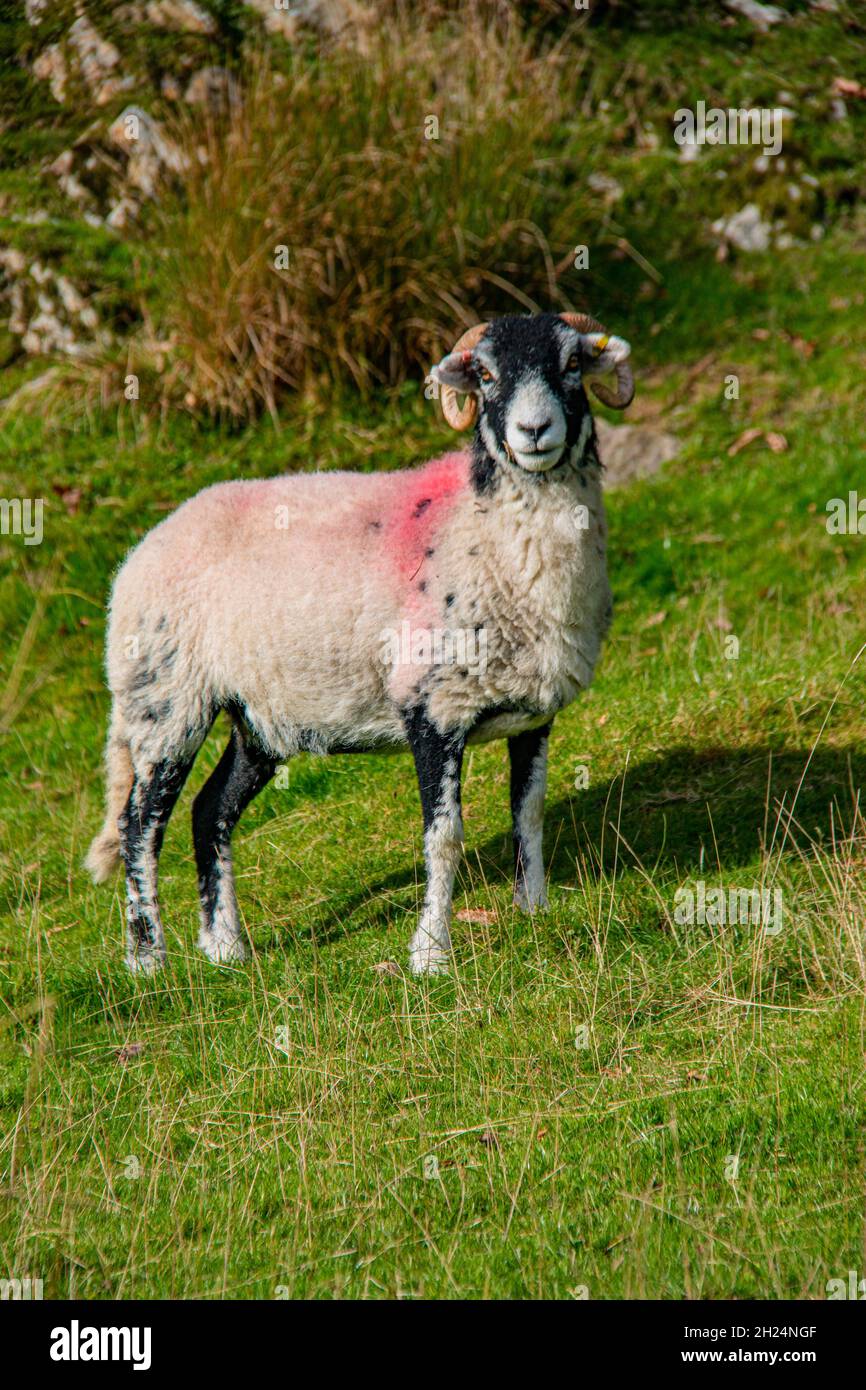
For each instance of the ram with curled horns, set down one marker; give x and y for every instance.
(335, 612)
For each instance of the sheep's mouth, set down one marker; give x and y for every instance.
(536, 460)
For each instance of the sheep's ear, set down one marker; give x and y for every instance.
(602, 352)
(457, 371)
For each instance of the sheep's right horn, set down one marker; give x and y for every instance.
(461, 417)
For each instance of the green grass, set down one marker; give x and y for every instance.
(278, 1116)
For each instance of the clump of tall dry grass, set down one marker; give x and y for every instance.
(350, 215)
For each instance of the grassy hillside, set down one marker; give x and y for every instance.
(279, 1115)
(549, 136)
(602, 1101)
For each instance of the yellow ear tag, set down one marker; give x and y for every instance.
(599, 347)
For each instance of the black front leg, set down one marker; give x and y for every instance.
(438, 761)
(528, 754)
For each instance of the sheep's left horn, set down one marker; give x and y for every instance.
(624, 393)
(461, 417)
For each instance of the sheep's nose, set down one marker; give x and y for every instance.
(536, 431)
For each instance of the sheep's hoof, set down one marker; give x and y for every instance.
(220, 951)
(429, 958)
(144, 962)
(530, 902)
(428, 963)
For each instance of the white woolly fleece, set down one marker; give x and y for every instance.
(275, 595)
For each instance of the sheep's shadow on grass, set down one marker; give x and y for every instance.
(714, 809)
(684, 811)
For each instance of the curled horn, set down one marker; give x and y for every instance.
(460, 418)
(624, 393)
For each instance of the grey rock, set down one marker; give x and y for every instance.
(12, 260)
(607, 186)
(327, 16)
(122, 215)
(150, 153)
(746, 230)
(183, 16)
(50, 66)
(762, 16)
(97, 57)
(212, 87)
(629, 452)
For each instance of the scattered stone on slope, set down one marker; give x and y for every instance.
(97, 58)
(276, 21)
(130, 15)
(746, 230)
(690, 149)
(329, 17)
(150, 153)
(108, 172)
(609, 188)
(73, 301)
(50, 66)
(67, 180)
(13, 260)
(46, 310)
(212, 87)
(762, 16)
(84, 53)
(184, 16)
(629, 452)
(81, 177)
(122, 215)
(34, 10)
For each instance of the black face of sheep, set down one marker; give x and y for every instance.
(524, 379)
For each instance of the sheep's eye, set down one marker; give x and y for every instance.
(573, 362)
(485, 375)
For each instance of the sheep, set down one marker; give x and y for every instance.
(461, 601)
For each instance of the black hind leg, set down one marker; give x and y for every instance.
(142, 827)
(242, 772)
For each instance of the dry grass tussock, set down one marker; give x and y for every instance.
(413, 189)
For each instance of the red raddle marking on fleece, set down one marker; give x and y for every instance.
(421, 504)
